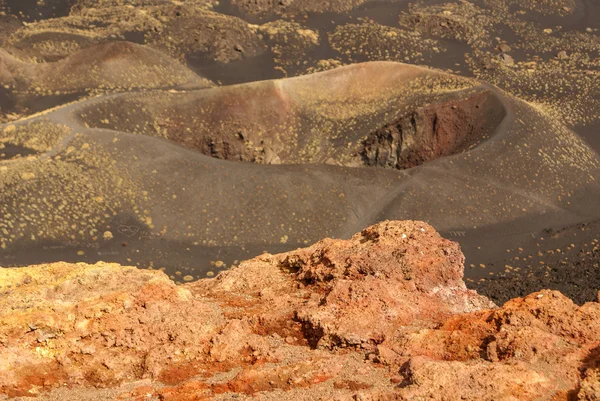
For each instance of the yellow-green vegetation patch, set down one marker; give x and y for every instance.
(223, 37)
(291, 43)
(165, 25)
(40, 136)
(69, 197)
(464, 22)
(289, 7)
(58, 37)
(87, 4)
(369, 41)
(325, 65)
(550, 39)
(537, 61)
(546, 7)
(374, 94)
(569, 89)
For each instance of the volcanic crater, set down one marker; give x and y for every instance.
(475, 117)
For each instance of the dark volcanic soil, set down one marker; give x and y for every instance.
(504, 193)
(32, 10)
(565, 259)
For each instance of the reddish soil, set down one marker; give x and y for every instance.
(384, 315)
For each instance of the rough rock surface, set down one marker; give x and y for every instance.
(441, 129)
(384, 315)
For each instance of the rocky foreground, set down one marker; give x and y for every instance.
(384, 315)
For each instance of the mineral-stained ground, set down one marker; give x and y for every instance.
(384, 315)
(186, 136)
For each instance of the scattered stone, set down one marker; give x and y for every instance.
(504, 48)
(27, 176)
(507, 59)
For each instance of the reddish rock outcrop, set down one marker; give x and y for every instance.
(427, 133)
(384, 315)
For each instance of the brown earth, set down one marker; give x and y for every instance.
(384, 315)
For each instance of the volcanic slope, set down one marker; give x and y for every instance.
(175, 29)
(105, 68)
(107, 178)
(122, 65)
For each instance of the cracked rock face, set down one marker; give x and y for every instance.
(430, 132)
(383, 315)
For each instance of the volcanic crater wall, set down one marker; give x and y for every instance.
(264, 125)
(433, 131)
